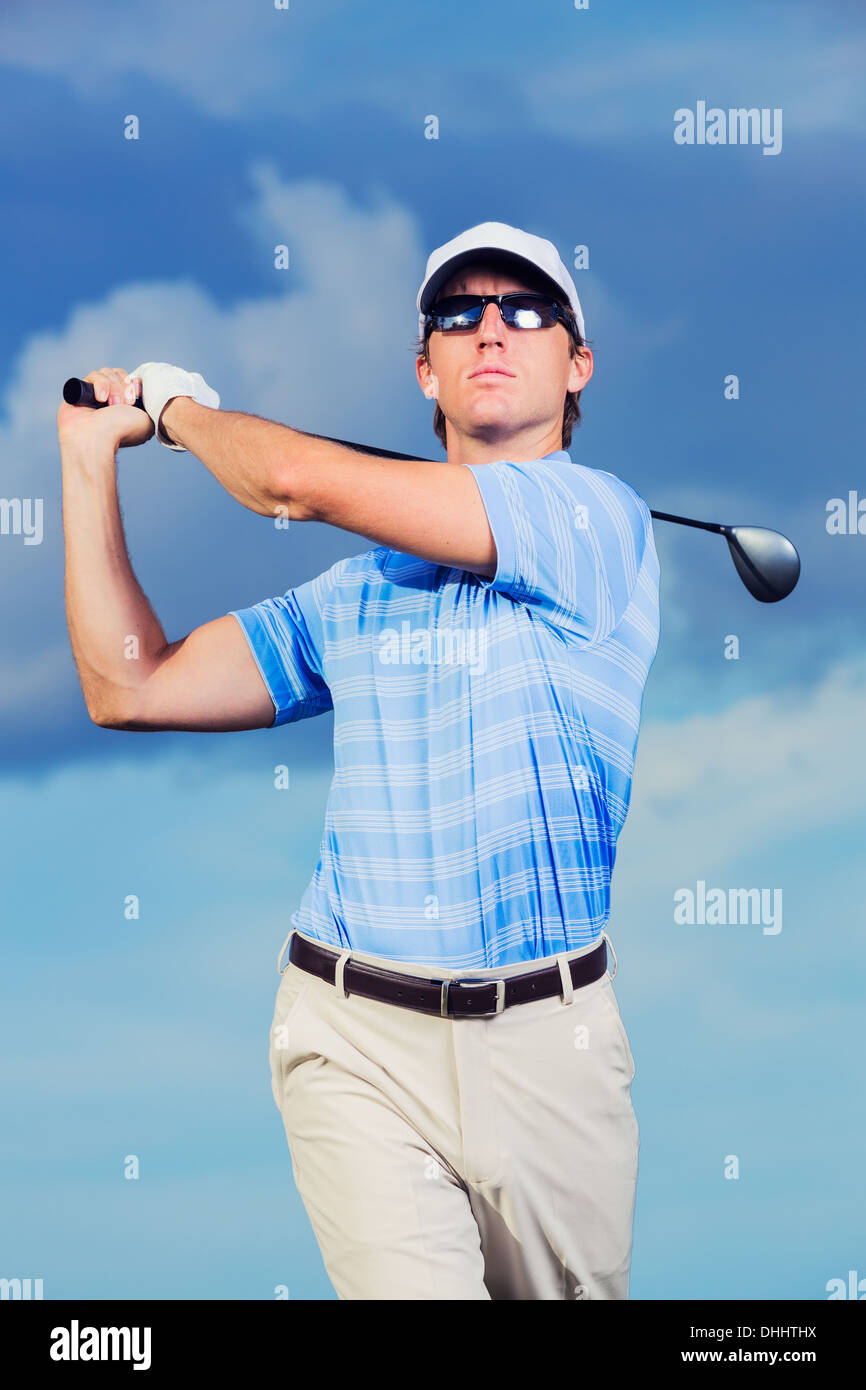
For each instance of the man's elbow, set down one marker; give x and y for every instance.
(105, 721)
(285, 500)
(106, 716)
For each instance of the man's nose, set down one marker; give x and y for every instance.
(492, 325)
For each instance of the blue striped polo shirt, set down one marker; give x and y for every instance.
(484, 729)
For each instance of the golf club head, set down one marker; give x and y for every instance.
(766, 561)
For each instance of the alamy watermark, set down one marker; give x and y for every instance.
(441, 646)
(77, 1343)
(737, 126)
(20, 1288)
(22, 516)
(846, 518)
(717, 906)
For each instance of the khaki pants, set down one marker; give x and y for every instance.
(471, 1158)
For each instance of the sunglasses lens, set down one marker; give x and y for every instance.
(528, 311)
(457, 311)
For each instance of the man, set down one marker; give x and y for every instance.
(447, 1051)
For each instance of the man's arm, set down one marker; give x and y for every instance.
(429, 509)
(205, 681)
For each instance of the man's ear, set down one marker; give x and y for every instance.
(429, 384)
(580, 369)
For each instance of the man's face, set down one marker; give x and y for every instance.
(494, 382)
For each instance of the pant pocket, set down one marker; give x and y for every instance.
(291, 994)
(613, 1007)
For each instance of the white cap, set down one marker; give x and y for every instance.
(539, 254)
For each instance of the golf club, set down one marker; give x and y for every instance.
(766, 561)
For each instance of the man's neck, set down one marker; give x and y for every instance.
(522, 448)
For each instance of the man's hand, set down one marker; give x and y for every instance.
(161, 383)
(121, 425)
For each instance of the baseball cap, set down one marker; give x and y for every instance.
(534, 252)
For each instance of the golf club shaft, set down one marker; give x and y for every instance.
(78, 392)
(715, 526)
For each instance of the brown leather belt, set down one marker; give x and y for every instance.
(465, 998)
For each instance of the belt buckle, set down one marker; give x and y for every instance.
(500, 996)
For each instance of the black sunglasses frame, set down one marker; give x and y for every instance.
(476, 310)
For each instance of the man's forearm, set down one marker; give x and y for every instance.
(258, 461)
(115, 634)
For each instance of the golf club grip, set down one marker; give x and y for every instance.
(78, 392)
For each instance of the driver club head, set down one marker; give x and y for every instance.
(766, 561)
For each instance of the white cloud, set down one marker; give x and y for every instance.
(713, 791)
(233, 60)
(222, 56)
(325, 346)
(624, 89)
(765, 794)
(765, 769)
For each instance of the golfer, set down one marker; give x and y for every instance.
(447, 1051)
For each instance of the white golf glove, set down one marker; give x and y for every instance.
(160, 382)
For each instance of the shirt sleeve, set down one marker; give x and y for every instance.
(285, 637)
(570, 541)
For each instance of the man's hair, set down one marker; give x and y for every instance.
(571, 410)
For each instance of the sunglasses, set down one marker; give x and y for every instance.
(518, 310)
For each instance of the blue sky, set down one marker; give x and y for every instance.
(306, 128)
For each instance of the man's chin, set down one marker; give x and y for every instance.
(491, 422)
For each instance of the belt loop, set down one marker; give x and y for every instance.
(338, 974)
(605, 937)
(567, 992)
(283, 969)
